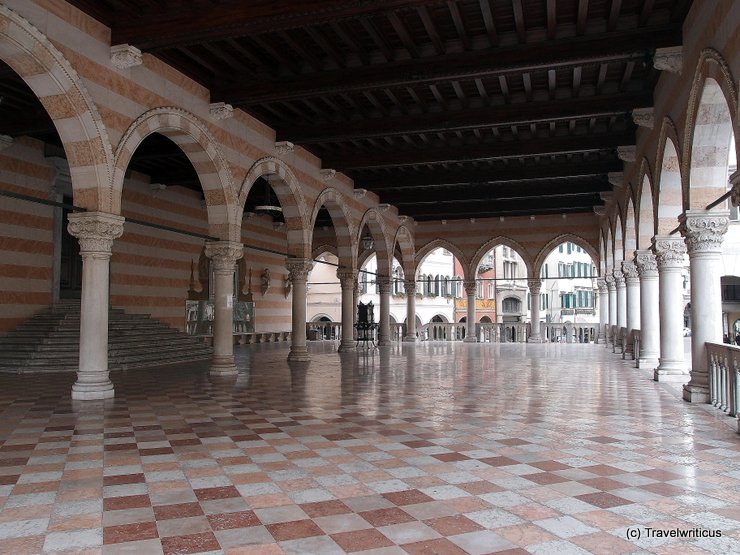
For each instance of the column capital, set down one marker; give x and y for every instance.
(410, 286)
(630, 272)
(618, 278)
(609, 280)
(299, 268)
(669, 251)
(384, 284)
(347, 277)
(647, 265)
(601, 284)
(534, 286)
(224, 254)
(704, 231)
(96, 231)
(471, 287)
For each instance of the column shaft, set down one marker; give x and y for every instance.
(612, 288)
(96, 232)
(347, 281)
(299, 269)
(603, 310)
(384, 332)
(410, 287)
(647, 268)
(470, 290)
(534, 294)
(632, 283)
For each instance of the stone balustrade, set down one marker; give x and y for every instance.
(723, 363)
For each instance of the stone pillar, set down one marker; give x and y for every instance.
(384, 332)
(96, 232)
(299, 269)
(603, 310)
(355, 302)
(534, 293)
(704, 232)
(647, 269)
(621, 290)
(612, 288)
(347, 281)
(471, 289)
(632, 282)
(410, 287)
(223, 255)
(669, 254)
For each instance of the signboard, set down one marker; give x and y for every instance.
(199, 317)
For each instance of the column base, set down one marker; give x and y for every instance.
(347, 346)
(669, 373)
(299, 354)
(647, 362)
(600, 340)
(469, 339)
(534, 339)
(695, 393)
(221, 370)
(617, 349)
(82, 391)
(409, 339)
(384, 343)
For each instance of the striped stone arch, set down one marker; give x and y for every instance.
(630, 228)
(340, 217)
(201, 148)
(609, 244)
(403, 242)
(424, 251)
(618, 240)
(668, 195)
(646, 207)
(288, 190)
(495, 242)
(602, 251)
(551, 245)
(711, 120)
(382, 247)
(69, 105)
(321, 249)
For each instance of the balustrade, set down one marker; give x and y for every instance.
(327, 331)
(723, 362)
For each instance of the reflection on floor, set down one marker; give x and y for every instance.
(434, 448)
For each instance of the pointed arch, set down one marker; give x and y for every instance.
(321, 249)
(646, 218)
(332, 200)
(668, 198)
(609, 244)
(618, 241)
(630, 229)
(201, 148)
(602, 251)
(288, 190)
(65, 98)
(495, 242)
(711, 120)
(551, 245)
(382, 248)
(404, 243)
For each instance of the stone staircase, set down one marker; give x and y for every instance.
(49, 342)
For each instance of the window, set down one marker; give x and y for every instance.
(491, 294)
(479, 288)
(511, 305)
(570, 248)
(363, 282)
(560, 248)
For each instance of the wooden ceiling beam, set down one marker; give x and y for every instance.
(403, 34)
(477, 209)
(473, 118)
(614, 10)
(431, 29)
(521, 30)
(488, 21)
(457, 19)
(188, 23)
(468, 65)
(552, 19)
(582, 16)
(349, 160)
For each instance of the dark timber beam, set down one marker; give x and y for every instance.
(572, 51)
(584, 203)
(499, 150)
(476, 118)
(507, 174)
(186, 23)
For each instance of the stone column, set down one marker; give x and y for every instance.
(471, 289)
(355, 302)
(647, 269)
(704, 232)
(534, 292)
(621, 291)
(384, 332)
(612, 288)
(632, 282)
(96, 232)
(669, 254)
(299, 269)
(223, 255)
(410, 287)
(347, 281)
(603, 310)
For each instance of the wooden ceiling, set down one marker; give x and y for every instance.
(446, 109)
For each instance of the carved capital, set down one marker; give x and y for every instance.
(359, 193)
(347, 278)
(124, 56)
(410, 286)
(471, 288)
(534, 286)
(704, 231)
(644, 117)
(610, 283)
(669, 59)
(630, 272)
(601, 284)
(327, 174)
(95, 231)
(669, 251)
(224, 254)
(384, 284)
(221, 110)
(647, 265)
(627, 153)
(618, 277)
(6, 141)
(299, 268)
(734, 181)
(283, 147)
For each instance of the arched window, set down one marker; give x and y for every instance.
(511, 305)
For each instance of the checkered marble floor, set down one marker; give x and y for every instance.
(423, 449)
